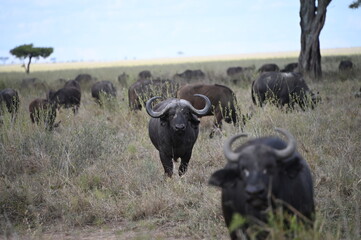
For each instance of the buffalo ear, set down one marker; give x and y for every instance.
(292, 167)
(193, 118)
(223, 178)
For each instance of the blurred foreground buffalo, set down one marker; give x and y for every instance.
(173, 130)
(41, 110)
(103, 87)
(261, 174)
(223, 100)
(9, 98)
(283, 89)
(72, 83)
(143, 89)
(269, 67)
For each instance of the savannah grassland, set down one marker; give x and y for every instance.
(97, 176)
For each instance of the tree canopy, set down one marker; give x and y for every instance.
(355, 4)
(29, 51)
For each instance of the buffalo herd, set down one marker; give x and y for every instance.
(260, 174)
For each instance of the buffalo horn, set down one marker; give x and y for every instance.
(154, 114)
(290, 148)
(227, 147)
(199, 112)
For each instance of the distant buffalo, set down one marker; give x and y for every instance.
(291, 67)
(33, 83)
(234, 71)
(269, 67)
(41, 110)
(345, 65)
(283, 89)
(85, 80)
(9, 98)
(223, 100)
(123, 79)
(103, 87)
(146, 74)
(143, 89)
(173, 130)
(67, 97)
(190, 75)
(262, 174)
(72, 83)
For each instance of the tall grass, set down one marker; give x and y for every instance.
(99, 168)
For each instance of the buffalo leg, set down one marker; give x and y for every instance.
(184, 164)
(167, 163)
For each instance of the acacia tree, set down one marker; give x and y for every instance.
(28, 51)
(313, 16)
(355, 4)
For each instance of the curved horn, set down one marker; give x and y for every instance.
(290, 148)
(227, 147)
(199, 112)
(154, 114)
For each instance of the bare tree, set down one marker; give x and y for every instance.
(313, 17)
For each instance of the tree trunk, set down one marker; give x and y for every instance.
(27, 69)
(312, 21)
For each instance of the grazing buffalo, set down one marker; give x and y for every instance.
(291, 67)
(146, 74)
(173, 130)
(190, 75)
(269, 67)
(84, 78)
(283, 88)
(345, 65)
(143, 89)
(10, 98)
(67, 97)
(234, 71)
(103, 87)
(41, 110)
(222, 98)
(123, 79)
(260, 174)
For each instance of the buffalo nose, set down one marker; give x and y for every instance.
(180, 127)
(255, 190)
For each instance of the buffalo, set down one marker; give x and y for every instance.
(41, 110)
(72, 83)
(10, 98)
(123, 79)
(223, 100)
(146, 74)
(345, 65)
(234, 71)
(67, 97)
(143, 89)
(190, 75)
(173, 130)
(283, 89)
(291, 67)
(103, 87)
(269, 67)
(261, 174)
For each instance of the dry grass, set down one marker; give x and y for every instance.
(98, 175)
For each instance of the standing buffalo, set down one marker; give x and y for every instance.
(269, 67)
(123, 79)
(41, 110)
(67, 97)
(10, 98)
(260, 174)
(222, 98)
(103, 87)
(291, 67)
(234, 71)
(283, 88)
(345, 65)
(143, 89)
(173, 130)
(146, 74)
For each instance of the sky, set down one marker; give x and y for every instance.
(111, 30)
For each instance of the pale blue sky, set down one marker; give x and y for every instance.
(107, 30)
